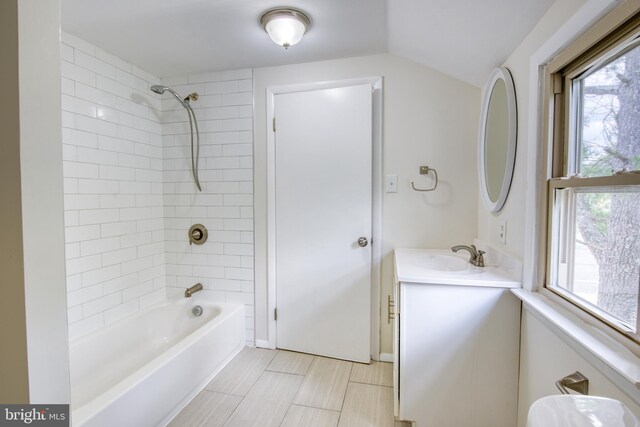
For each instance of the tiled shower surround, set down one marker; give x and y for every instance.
(224, 264)
(129, 195)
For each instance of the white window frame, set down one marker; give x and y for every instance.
(562, 155)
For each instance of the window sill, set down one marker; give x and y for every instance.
(610, 357)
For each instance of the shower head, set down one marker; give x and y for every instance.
(159, 89)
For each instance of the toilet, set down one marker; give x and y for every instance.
(580, 411)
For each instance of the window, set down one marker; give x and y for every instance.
(594, 190)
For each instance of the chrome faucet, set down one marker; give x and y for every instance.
(192, 290)
(476, 256)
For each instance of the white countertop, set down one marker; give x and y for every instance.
(412, 266)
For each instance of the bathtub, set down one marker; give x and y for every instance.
(142, 370)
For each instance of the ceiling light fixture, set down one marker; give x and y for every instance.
(285, 25)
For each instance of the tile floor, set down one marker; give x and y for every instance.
(264, 388)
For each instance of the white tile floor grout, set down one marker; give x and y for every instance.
(278, 388)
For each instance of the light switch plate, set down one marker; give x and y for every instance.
(391, 183)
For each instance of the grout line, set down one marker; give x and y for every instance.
(242, 397)
(228, 394)
(254, 384)
(304, 379)
(314, 407)
(234, 411)
(377, 385)
(346, 390)
(273, 370)
(283, 373)
(340, 415)
(285, 414)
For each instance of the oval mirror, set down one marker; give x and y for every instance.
(497, 139)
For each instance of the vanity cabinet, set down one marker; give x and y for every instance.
(456, 351)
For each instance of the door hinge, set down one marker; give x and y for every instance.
(275, 314)
(274, 124)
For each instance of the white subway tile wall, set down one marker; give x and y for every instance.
(114, 212)
(224, 264)
(129, 195)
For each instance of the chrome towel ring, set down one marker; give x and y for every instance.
(424, 170)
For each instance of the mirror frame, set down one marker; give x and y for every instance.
(498, 74)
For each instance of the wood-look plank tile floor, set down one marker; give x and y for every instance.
(278, 388)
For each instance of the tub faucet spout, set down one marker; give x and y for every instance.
(476, 258)
(192, 290)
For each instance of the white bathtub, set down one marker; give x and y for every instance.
(142, 370)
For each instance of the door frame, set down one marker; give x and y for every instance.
(376, 83)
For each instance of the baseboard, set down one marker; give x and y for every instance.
(263, 344)
(386, 357)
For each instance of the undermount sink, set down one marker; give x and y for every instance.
(442, 262)
(443, 267)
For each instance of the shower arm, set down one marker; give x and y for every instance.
(184, 102)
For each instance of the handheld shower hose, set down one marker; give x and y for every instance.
(195, 153)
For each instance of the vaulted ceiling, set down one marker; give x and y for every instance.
(463, 38)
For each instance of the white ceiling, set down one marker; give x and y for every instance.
(462, 38)
(466, 39)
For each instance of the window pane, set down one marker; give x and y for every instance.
(597, 246)
(608, 128)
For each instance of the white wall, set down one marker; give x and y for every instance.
(546, 358)
(34, 363)
(224, 264)
(42, 208)
(114, 215)
(429, 119)
(514, 212)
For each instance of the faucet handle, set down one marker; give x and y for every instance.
(480, 258)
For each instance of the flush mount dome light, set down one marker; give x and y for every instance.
(285, 26)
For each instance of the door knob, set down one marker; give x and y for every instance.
(362, 242)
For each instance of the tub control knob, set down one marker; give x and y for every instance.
(198, 234)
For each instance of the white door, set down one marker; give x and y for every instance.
(323, 190)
